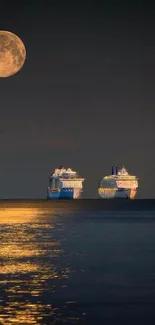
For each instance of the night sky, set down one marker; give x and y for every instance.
(85, 97)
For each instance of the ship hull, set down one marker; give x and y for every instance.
(65, 193)
(117, 193)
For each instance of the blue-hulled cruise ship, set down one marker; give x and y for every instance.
(64, 184)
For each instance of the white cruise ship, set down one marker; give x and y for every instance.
(118, 185)
(64, 184)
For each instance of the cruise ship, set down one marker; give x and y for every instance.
(64, 184)
(118, 185)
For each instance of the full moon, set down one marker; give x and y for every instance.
(12, 54)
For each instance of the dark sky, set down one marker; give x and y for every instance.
(85, 97)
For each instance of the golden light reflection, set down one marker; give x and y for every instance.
(18, 215)
(28, 255)
(26, 313)
(18, 267)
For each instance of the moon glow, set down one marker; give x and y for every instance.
(12, 54)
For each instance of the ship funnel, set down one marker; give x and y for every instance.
(116, 170)
(113, 170)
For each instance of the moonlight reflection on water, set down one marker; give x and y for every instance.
(29, 266)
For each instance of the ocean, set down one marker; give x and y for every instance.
(87, 262)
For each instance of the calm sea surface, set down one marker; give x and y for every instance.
(79, 262)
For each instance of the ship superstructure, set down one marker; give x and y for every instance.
(120, 184)
(64, 184)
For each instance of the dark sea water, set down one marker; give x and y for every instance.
(78, 262)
